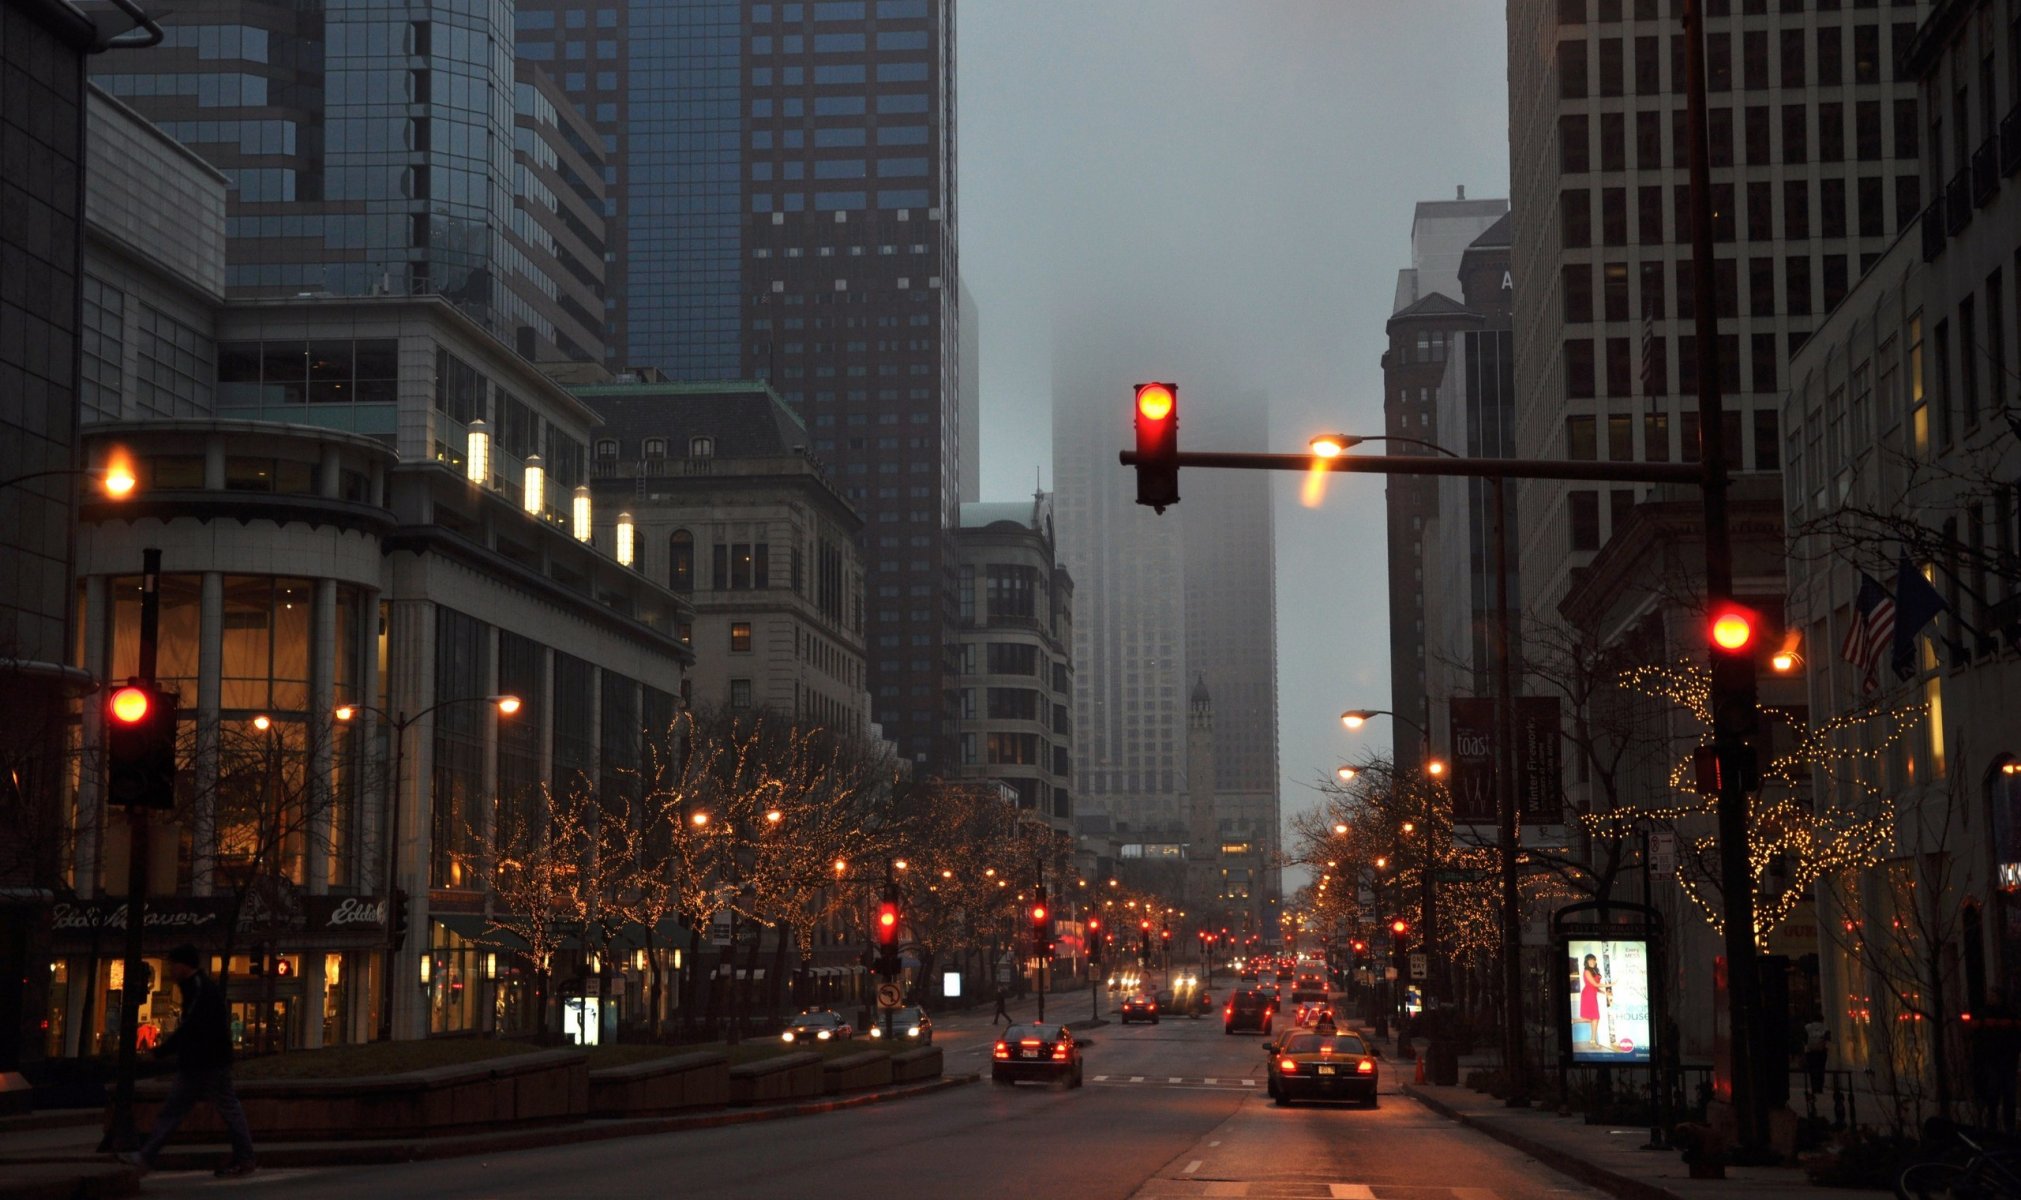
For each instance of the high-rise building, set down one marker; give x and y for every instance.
(783, 208)
(1813, 139)
(1423, 328)
(1167, 601)
(369, 148)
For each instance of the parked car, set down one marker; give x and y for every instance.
(1047, 1053)
(906, 1025)
(1315, 1066)
(817, 1025)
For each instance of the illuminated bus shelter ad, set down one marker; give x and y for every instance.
(1608, 1012)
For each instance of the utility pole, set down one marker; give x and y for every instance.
(121, 1134)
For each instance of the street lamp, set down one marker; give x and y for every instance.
(115, 479)
(400, 723)
(1346, 773)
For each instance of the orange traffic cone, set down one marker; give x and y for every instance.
(1419, 1077)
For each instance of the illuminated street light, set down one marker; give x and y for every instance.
(1346, 773)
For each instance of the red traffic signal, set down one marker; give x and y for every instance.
(1399, 926)
(131, 704)
(1734, 629)
(1094, 922)
(140, 726)
(1157, 423)
(1038, 912)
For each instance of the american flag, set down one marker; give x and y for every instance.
(1872, 631)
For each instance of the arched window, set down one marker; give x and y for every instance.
(656, 447)
(701, 447)
(606, 448)
(681, 561)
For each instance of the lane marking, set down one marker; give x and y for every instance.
(1350, 1191)
(1136, 1079)
(1249, 1083)
(1101, 1079)
(1174, 1079)
(1211, 1145)
(1193, 1166)
(1212, 1080)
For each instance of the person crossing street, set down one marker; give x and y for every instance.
(202, 1046)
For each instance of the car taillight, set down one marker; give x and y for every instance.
(1288, 1065)
(1229, 1011)
(1001, 1051)
(1060, 1051)
(1367, 1067)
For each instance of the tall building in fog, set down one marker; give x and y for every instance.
(1167, 602)
(1425, 323)
(783, 208)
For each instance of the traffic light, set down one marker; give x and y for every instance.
(887, 935)
(140, 746)
(1042, 926)
(1735, 633)
(1157, 420)
(1094, 939)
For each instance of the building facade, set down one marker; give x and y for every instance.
(1015, 605)
(1900, 474)
(729, 510)
(1813, 134)
(785, 209)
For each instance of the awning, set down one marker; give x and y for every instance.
(475, 927)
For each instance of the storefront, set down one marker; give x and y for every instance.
(298, 975)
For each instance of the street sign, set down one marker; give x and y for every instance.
(889, 997)
(1420, 966)
(1663, 855)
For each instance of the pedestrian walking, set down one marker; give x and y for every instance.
(1817, 1042)
(1001, 1011)
(202, 1046)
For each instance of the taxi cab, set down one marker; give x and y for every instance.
(1323, 1066)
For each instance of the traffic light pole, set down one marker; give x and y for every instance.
(120, 1134)
(1513, 1065)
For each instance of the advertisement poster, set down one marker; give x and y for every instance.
(1608, 1012)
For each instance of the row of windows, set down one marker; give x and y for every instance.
(1757, 146)
(1801, 276)
(1629, 371)
(1583, 433)
(850, 201)
(837, 74)
(1575, 12)
(841, 10)
(841, 168)
(1575, 211)
(1616, 62)
(841, 106)
(841, 138)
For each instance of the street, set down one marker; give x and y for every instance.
(1174, 1110)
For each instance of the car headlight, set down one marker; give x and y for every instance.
(912, 1032)
(876, 1032)
(786, 1036)
(824, 1035)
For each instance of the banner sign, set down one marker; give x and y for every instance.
(202, 918)
(1539, 761)
(1606, 1019)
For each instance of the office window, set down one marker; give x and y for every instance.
(1610, 67)
(1648, 71)
(1614, 287)
(1796, 210)
(1572, 70)
(1582, 510)
(1577, 286)
(1575, 211)
(1620, 368)
(1754, 60)
(1656, 437)
(1614, 216)
(1831, 205)
(1873, 216)
(1831, 132)
(1579, 369)
(1581, 439)
(1613, 141)
(1573, 155)
(1767, 436)
(1648, 141)
(1649, 215)
(1755, 136)
(1830, 56)
(740, 637)
(1760, 211)
(1760, 287)
(1795, 134)
(1652, 289)
(740, 693)
(1793, 75)
(1796, 292)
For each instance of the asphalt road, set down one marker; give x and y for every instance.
(1174, 1110)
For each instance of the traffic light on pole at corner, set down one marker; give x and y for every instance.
(1042, 925)
(887, 934)
(140, 746)
(1094, 939)
(1399, 938)
(1157, 422)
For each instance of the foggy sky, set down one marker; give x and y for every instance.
(1245, 169)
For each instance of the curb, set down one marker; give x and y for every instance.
(327, 1154)
(69, 1181)
(1552, 1157)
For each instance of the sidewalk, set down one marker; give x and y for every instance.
(1611, 1158)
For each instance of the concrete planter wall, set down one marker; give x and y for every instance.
(794, 1076)
(854, 1072)
(521, 1089)
(923, 1062)
(660, 1085)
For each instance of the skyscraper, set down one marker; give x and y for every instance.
(1813, 169)
(783, 204)
(1167, 601)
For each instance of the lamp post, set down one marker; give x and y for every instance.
(400, 723)
(1434, 769)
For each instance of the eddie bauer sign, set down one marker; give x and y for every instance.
(194, 914)
(1538, 762)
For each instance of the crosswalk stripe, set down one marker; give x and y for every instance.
(1136, 1079)
(1101, 1079)
(1174, 1079)
(1213, 1080)
(1350, 1191)
(1249, 1083)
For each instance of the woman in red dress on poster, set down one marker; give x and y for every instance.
(1591, 987)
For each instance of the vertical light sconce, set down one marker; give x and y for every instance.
(477, 453)
(625, 533)
(536, 485)
(491, 964)
(427, 967)
(579, 511)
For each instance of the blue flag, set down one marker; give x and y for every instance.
(1916, 605)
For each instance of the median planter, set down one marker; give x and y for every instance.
(660, 1085)
(854, 1072)
(920, 1062)
(521, 1089)
(794, 1076)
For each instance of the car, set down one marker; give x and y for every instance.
(1249, 1008)
(1141, 1007)
(1310, 987)
(1319, 1066)
(1048, 1053)
(1309, 1012)
(910, 1025)
(817, 1025)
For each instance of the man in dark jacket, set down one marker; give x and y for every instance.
(202, 1046)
